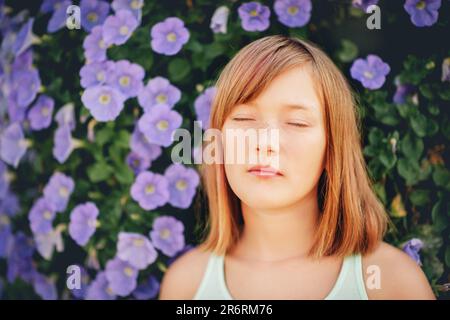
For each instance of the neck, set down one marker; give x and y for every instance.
(275, 234)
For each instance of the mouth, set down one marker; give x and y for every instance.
(264, 171)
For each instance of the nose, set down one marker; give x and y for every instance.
(267, 147)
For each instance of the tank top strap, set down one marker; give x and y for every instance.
(212, 284)
(350, 283)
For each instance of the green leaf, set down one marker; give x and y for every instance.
(99, 172)
(179, 69)
(411, 146)
(348, 51)
(409, 170)
(419, 124)
(441, 176)
(124, 174)
(419, 197)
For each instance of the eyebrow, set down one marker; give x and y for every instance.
(291, 106)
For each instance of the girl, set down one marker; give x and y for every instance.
(309, 228)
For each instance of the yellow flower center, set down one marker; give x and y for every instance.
(92, 17)
(128, 271)
(124, 81)
(101, 76)
(181, 184)
(165, 233)
(101, 44)
(150, 188)
(253, 13)
(368, 74)
(161, 98)
(63, 192)
(104, 99)
(44, 111)
(135, 5)
(123, 30)
(420, 5)
(4, 220)
(47, 215)
(92, 223)
(171, 37)
(163, 125)
(292, 10)
(138, 242)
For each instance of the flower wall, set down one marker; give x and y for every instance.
(87, 117)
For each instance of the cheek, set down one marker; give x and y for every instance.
(306, 152)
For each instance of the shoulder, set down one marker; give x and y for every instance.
(400, 277)
(184, 275)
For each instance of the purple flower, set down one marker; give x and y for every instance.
(100, 289)
(93, 13)
(58, 190)
(44, 287)
(140, 145)
(183, 183)
(363, 4)
(94, 45)
(158, 92)
(137, 163)
(167, 235)
(159, 125)
(127, 78)
(122, 276)
(24, 87)
(47, 242)
(412, 248)
(50, 5)
(254, 16)
(6, 235)
(64, 144)
(104, 102)
(147, 290)
(95, 73)
(66, 116)
(371, 72)
(41, 216)
(136, 249)
(202, 106)
(219, 20)
(293, 13)
(81, 293)
(83, 222)
(169, 36)
(135, 6)
(402, 93)
(118, 29)
(9, 205)
(25, 38)
(13, 144)
(150, 190)
(446, 70)
(423, 13)
(59, 16)
(186, 248)
(20, 263)
(40, 114)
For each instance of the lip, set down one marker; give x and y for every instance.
(264, 171)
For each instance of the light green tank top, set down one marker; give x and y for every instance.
(349, 284)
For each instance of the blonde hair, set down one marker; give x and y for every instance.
(352, 219)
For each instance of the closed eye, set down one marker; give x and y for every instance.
(297, 124)
(243, 119)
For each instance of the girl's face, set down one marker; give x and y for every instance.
(291, 107)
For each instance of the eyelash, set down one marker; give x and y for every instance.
(300, 125)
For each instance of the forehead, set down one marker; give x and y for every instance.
(293, 89)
